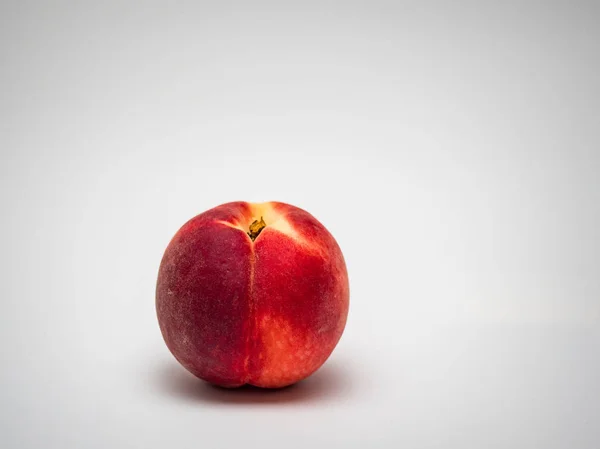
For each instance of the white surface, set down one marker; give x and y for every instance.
(466, 138)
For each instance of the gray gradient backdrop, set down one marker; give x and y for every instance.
(452, 148)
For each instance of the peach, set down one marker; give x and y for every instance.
(252, 294)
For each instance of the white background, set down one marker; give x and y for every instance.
(452, 148)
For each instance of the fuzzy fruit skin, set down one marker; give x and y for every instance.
(266, 313)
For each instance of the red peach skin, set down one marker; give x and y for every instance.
(265, 309)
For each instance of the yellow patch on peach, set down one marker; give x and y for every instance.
(277, 221)
(268, 213)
